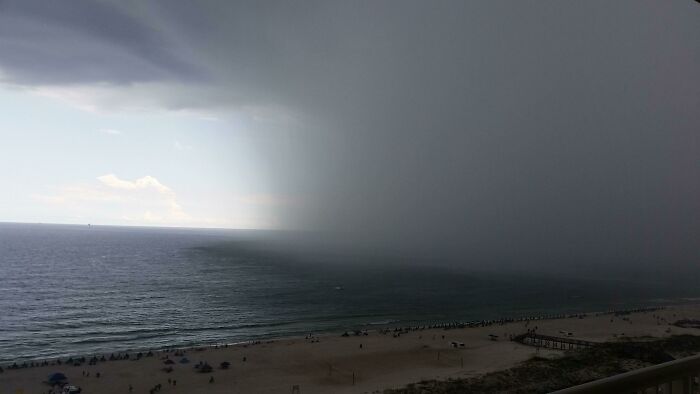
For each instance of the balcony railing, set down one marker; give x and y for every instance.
(674, 377)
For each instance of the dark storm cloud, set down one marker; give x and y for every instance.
(519, 134)
(58, 42)
(559, 135)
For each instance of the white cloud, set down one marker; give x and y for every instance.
(146, 182)
(188, 100)
(191, 100)
(110, 131)
(142, 201)
(146, 201)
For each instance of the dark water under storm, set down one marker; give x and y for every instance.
(67, 290)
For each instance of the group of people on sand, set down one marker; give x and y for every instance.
(154, 389)
(86, 374)
(356, 333)
(77, 361)
(311, 338)
(397, 331)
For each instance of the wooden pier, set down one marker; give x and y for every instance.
(548, 341)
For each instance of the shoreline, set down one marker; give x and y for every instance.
(369, 362)
(333, 333)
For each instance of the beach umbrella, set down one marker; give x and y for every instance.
(57, 377)
(184, 360)
(168, 362)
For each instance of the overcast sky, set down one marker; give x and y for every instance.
(555, 131)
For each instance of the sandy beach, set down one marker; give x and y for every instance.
(334, 363)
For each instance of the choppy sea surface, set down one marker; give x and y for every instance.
(79, 290)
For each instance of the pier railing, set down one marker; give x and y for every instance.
(674, 377)
(549, 341)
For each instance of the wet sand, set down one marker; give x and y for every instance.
(327, 363)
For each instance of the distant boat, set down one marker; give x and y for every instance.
(339, 287)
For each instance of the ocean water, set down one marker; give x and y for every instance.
(79, 290)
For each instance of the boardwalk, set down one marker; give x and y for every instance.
(538, 340)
